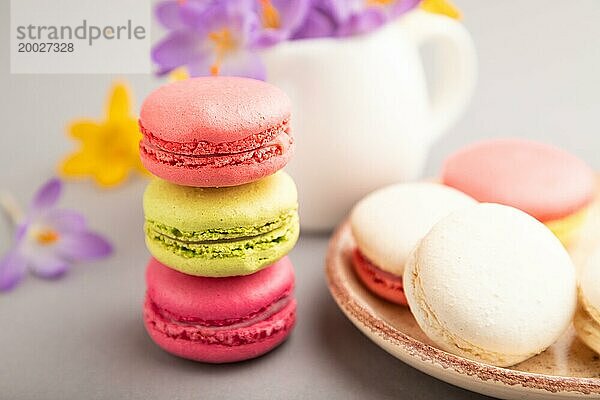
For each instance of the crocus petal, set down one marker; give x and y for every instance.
(21, 229)
(244, 63)
(84, 246)
(249, 30)
(77, 164)
(111, 174)
(268, 38)
(215, 15)
(317, 24)
(200, 67)
(84, 129)
(48, 266)
(12, 270)
(119, 104)
(193, 13)
(168, 15)
(292, 12)
(64, 221)
(244, 25)
(177, 49)
(402, 6)
(340, 10)
(291, 15)
(239, 7)
(443, 7)
(47, 196)
(363, 22)
(179, 74)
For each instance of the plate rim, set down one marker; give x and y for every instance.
(439, 359)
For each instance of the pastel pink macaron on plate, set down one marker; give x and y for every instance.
(215, 131)
(219, 320)
(546, 182)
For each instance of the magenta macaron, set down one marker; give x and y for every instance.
(215, 131)
(219, 320)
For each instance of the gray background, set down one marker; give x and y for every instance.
(82, 337)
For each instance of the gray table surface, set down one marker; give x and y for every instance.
(82, 337)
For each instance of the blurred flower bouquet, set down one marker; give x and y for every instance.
(224, 37)
(355, 76)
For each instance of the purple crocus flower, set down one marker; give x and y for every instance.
(351, 17)
(49, 240)
(179, 14)
(318, 23)
(221, 37)
(210, 38)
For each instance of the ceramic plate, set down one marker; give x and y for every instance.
(567, 370)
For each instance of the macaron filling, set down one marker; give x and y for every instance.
(260, 325)
(222, 243)
(587, 327)
(589, 309)
(383, 283)
(565, 228)
(255, 148)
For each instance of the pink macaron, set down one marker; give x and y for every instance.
(215, 131)
(540, 179)
(546, 182)
(219, 320)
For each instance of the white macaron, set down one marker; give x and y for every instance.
(587, 318)
(492, 284)
(389, 222)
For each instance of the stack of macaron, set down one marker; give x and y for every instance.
(479, 257)
(220, 218)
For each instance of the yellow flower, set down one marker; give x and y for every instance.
(109, 148)
(179, 74)
(444, 7)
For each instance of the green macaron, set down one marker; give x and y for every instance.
(220, 232)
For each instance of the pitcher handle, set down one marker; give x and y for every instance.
(455, 67)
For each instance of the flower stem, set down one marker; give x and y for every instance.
(11, 208)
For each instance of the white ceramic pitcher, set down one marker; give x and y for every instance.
(362, 117)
